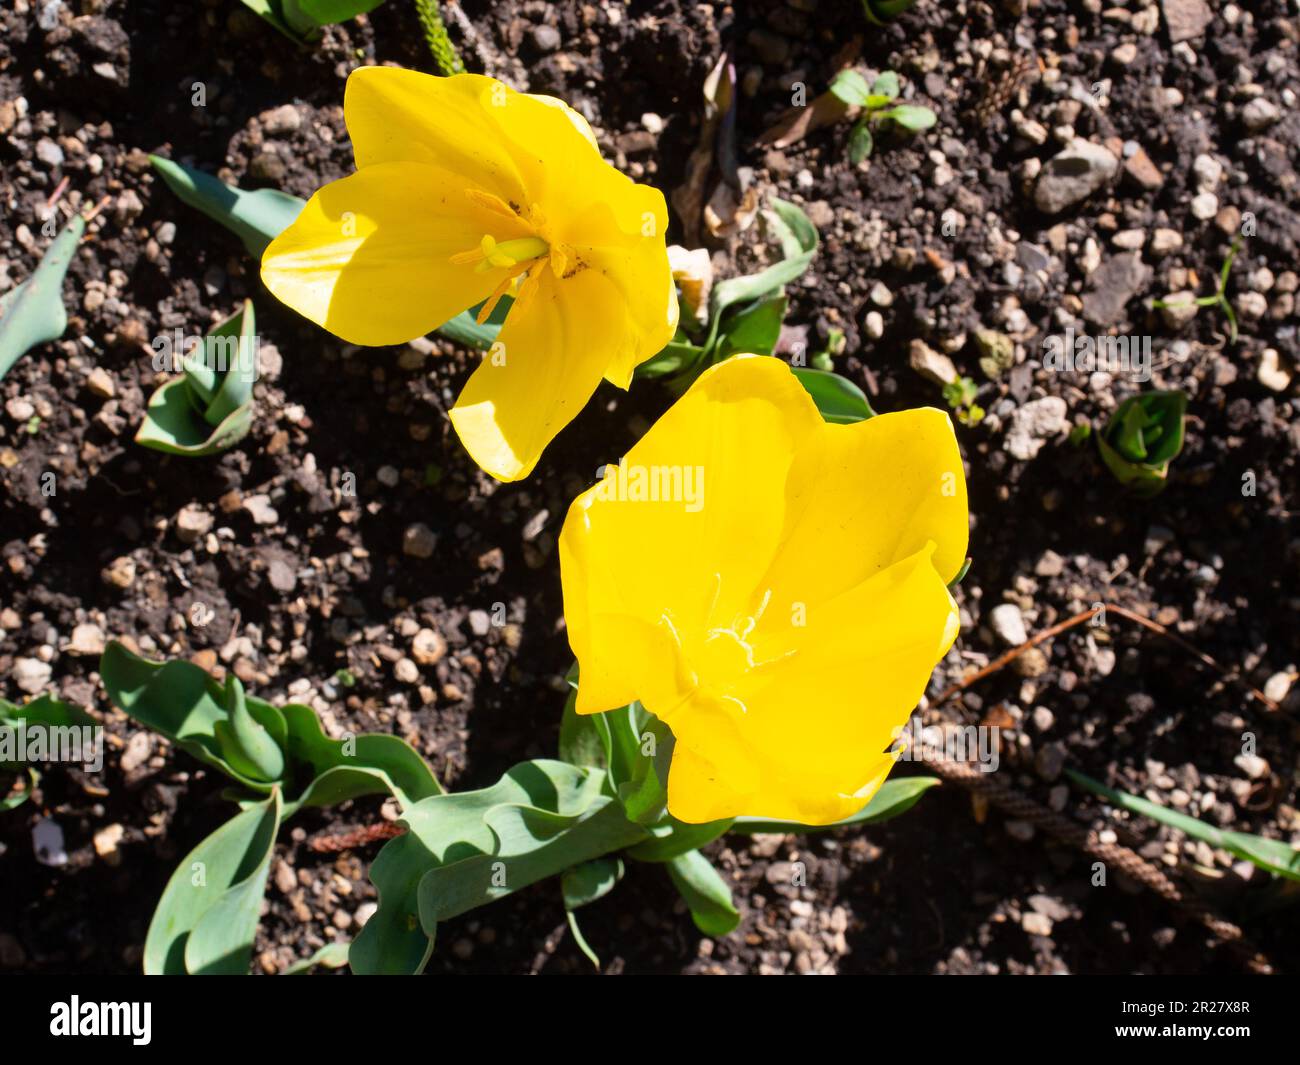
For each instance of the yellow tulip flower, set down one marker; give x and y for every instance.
(772, 587)
(466, 190)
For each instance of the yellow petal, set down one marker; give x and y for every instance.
(623, 238)
(698, 793)
(524, 149)
(784, 615)
(579, 122)
(396, 115)
(691, 519)
(369, 257)
(815, 721)
(870, 494)
(548, 360)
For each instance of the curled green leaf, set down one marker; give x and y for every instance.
(246, 743)
(1141, 439)
(467, 848)
(210, 407)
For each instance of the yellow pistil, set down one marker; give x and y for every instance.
(505, 255)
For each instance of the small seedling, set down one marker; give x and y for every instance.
(1220, 295)
(210, 407)
(835, 344)
(1142, 437)
(880, 108)
(960, 396)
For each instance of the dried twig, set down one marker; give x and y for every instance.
(1113, 854)
(1087, 615)
(350, 839)
(1062, 828)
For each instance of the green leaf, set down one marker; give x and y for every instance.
(256, 217)
(45, 710)
(472, 827)
(851, 87)
(671, 838)
(12, 800)
(754, 329)
(839, 399)
(882, 11)
(886, 85)
(33, 312)
(44, 714)
(272, 12)
(640, 749)
(331, 955)
(247, 745)
(586, 883)
(912, 116)
(798, 239)
(576, 931)
(896, 796)
(680, 356)
(861, 143)
(328, 12)
(705, 892)
(207, 918)
(529, 844)
(581, 741)
(1273, 855)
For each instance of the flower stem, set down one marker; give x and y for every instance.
(435, 33)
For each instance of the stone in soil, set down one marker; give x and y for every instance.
(1072, 175)
(1033, 424)
(1118, 280)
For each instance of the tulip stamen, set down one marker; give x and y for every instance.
(490, 304)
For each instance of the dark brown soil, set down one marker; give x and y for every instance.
(310, 596)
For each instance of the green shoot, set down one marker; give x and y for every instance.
(880, 109)
(1220, 295)
(1142, 437)
(960, 396)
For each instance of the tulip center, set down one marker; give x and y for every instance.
(522, 255)
(504, 255)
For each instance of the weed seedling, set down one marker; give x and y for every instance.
(960, 396)
(880, 107)
(1220, 295)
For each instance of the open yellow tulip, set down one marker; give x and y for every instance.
(466, 191)
(772, 587)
